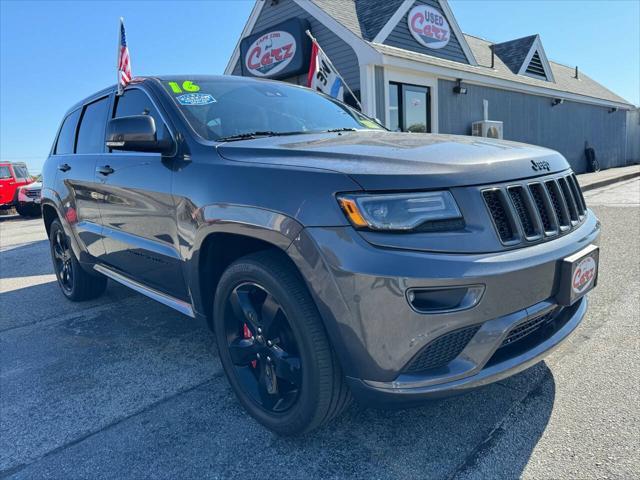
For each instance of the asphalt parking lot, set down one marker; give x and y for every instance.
(123, 387)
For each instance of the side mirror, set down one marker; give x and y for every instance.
(136, 133)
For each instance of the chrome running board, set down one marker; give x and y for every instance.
(169, 301)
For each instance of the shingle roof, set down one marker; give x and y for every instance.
(514, 52)
(345, 12)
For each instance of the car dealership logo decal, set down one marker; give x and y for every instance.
(428, 26)
(583, 275)
(541, 165)
(270, 53)
(196, 99)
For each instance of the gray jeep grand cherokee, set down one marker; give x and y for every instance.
(331, 257)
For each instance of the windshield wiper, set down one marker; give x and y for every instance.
(342, 129)
(251, 135)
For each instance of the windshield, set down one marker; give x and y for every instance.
(217, 109)
(21, 171)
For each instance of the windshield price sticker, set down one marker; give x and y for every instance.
(196, 99)
(187, 86)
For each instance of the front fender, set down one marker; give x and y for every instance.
(196, 225)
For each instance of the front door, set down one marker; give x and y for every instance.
(409, 108)
(138, 212)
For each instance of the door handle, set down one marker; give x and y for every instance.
(65, 167)
(105, 170)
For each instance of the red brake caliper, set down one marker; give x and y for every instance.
(247, 334)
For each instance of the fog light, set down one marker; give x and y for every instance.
(444, 299)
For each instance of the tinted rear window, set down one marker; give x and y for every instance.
(91, 134)
(66, 138)
(5, 172)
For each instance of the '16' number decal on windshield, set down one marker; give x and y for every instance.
(187, 86)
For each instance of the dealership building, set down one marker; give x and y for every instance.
(412, 67)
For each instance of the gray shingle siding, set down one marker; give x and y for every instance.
(564, 128)
(374, 14)
(341, 54)
(401, 37)
(633, 136)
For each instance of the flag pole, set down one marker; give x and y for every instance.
(119, 88)
(313, 39)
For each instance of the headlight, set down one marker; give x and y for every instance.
(398, 211)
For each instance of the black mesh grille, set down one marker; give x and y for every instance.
(498, 211)
(556, 199)
(537, 211)
(527, 327)
(517, 197)
(576, 195)
(442, 350)
(536, 192)
(574, 181)
(570, 201)
(32, 193)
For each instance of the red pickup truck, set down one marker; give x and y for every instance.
(16, 191)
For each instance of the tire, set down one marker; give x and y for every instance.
(320, 391)
(29, 211)
(76, 284)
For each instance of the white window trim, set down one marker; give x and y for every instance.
(446, 9)
(537, 46)
(398, 75)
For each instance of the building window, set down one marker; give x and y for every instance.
(409, 108)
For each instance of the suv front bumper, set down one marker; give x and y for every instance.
(407, 389)
(361, 292)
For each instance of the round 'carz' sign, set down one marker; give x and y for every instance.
(428, 26)
(583, 275)
(270, 53)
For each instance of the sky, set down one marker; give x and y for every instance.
(54, 53)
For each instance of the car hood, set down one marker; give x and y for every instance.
(33, 186)
(380, 160)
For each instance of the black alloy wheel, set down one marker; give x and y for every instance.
(62, 261)
(263, 348)
(75, 282)
(273, 346)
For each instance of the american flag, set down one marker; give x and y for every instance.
(124, 63)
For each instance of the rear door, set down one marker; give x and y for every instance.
(138, 211)
(79, 143)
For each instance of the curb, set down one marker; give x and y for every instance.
(608, 181)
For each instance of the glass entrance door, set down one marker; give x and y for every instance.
(409, 108)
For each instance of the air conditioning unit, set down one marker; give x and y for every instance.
(487, 128)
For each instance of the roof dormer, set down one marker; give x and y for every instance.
(525, 56)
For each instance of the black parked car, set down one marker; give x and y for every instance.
(332, 258)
